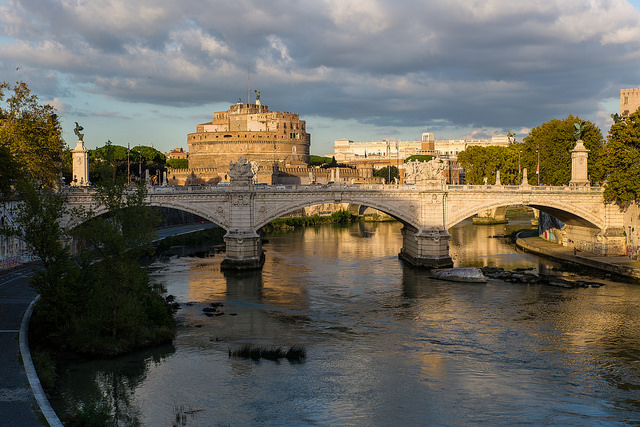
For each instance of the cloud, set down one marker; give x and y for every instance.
(462, 64)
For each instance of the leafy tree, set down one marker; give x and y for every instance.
(419, 157)
(10, 171)
(100, 303)
(318, 160)
(31, 133)
(384, 173)
(178, 163)
(622, 160)
(553, 141)
(130, 313)
(110, 162)
(60, 282)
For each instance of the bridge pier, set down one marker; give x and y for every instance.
(244, 250)
(425, 248)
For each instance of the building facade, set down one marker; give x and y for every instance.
(266, 138)
(345, 150)
(629, 101)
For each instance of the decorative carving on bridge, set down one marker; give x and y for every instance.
(240, 200)
(241, 169)
(425, 172)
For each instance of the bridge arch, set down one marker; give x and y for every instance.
(584, 215)
(396, 210)
(73, 221)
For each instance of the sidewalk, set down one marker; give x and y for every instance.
(19, 401)
(619, 265)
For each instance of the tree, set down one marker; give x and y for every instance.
(553, 142)
(31, 133)
(110, 162)
(419, 157)
(318, 160)
(622, 160)
(130, 313)
(384, 173)
(101, 302)
(178, 163)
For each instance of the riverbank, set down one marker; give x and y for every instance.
(619, 265)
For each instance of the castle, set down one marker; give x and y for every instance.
(262, 136)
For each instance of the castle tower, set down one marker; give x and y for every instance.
(80, 158)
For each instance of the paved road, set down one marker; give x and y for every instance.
(18, 406)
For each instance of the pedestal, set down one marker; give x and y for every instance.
(427, 248)
(244, 250)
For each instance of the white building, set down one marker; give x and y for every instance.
(345, 150)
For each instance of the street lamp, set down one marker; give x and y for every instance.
(519, 167)
(398, 160)
(538, 167)
(128, 165)
(389, 157)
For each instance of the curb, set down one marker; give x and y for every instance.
(34, 381)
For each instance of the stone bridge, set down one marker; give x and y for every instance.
(427, 209)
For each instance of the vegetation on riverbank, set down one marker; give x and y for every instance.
(338, 217)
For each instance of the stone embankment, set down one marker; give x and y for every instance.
(618, 265)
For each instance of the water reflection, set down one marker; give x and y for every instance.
(387, 344)
(110, 388)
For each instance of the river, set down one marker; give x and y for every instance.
(386, 345)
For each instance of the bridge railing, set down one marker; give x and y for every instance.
(355, 187)
(536, 188)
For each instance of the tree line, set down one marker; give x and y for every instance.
(546, 154)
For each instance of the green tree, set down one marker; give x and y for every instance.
(178, 163)
(419, 157)
(59, 282)
(100, 303)
(384, 173)
(622, 160)
(31, 133)
(130, 314)
(110, 162)
(318, 160)
(552, 142)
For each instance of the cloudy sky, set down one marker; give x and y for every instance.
(147, 71)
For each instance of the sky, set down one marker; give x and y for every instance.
(148, 71)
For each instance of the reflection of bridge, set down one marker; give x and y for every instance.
(427, 211)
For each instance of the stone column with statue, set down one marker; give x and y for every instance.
(80, 160)
(579, 158)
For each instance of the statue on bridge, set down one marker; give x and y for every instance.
(422, 172)
(241, 169)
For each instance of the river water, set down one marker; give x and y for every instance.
(386, 345)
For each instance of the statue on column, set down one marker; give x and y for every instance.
(579, 130)
(77, 132)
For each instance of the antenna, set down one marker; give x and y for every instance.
(249, 85)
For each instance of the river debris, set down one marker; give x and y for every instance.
(464, 274)
(526, 277)
(213, 309)
(255, 352)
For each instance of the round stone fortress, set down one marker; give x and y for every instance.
(266, 138)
